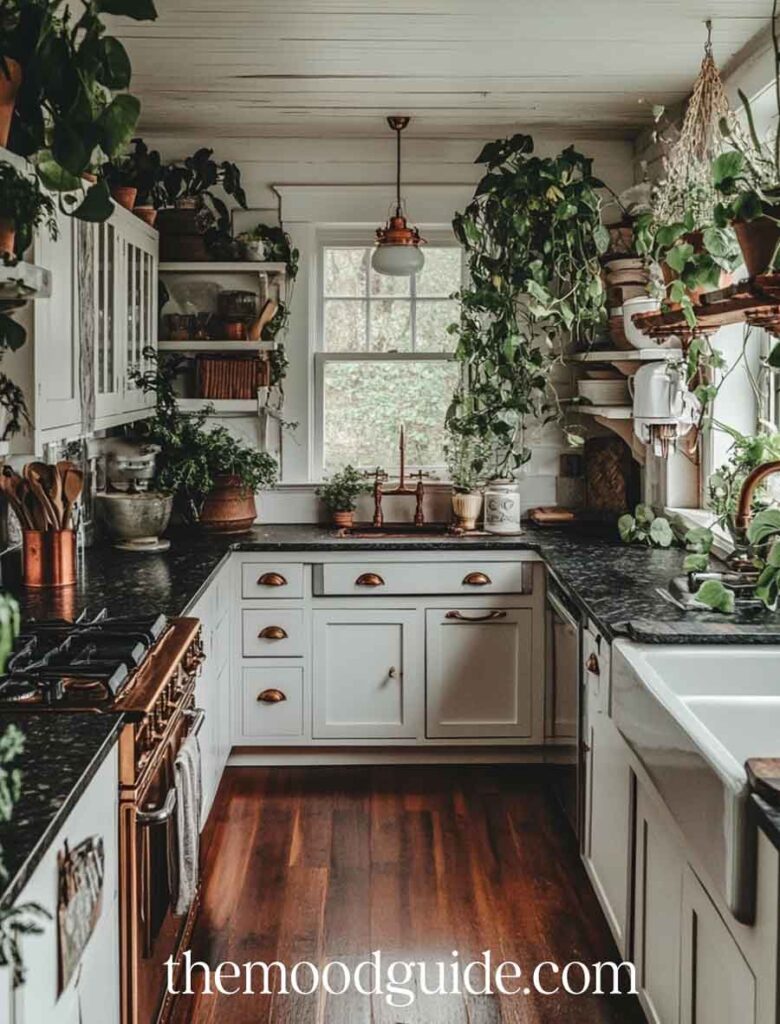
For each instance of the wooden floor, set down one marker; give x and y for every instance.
(318, 864)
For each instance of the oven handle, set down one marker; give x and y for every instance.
(197, 717)
(162, 814)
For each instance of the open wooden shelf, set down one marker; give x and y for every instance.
(755, 301)
(227, 267)
(633, 355)
(217, 346)
(221, 406)
(607, 412)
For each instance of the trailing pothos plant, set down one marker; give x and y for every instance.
(72, 111)
(532, 235)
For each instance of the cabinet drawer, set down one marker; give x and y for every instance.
(270, 633)
(380, 578)
(271, 702)
(271, 580)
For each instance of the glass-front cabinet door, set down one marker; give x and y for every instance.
(107, 314)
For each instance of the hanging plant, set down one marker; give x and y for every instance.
(694, 249)
(71, 111)
(533, 236)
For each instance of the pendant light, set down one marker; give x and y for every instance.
(397, 251)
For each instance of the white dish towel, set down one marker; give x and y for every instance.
(189, 795)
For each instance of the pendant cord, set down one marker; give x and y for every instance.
(398, 173)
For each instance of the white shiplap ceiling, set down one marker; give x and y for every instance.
(462, 68)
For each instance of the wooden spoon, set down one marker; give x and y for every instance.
(36, 480)
(52, 484)
(72, 486)
(10, 484)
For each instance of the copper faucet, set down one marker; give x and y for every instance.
(417, 492)
(752, 482)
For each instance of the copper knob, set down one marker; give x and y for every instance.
(271, 579)
(271, 696)
(369, 579)
(272, 633)
(476, 579)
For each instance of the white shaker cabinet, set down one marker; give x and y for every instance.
(479, 672)
(718, 986)
(367, 673)
(607, 792)
(92, 994)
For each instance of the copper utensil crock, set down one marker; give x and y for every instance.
(49, 558)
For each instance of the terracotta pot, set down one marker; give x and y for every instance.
(229, 508)
(758, 239)
(147, 214)
(7, 236)
(180, 238)
(89, 176)
(343, 520)
(9, 87)
(466, 508)
(124, 196)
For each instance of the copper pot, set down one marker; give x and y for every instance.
(9, 87)
(229, 507)
(48, 558)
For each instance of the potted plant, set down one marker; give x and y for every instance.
(13, 408)
(272, 245)
(212, 476)
(24, 206)
(339, 495)
(725, 484)
(135, 180)
(71, 111)
(533, 237)
(462, 455)
(188, 188)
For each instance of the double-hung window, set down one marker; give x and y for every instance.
(384, 359)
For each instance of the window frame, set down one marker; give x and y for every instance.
(436, 238)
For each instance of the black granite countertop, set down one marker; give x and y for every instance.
(60, 755)
(617, 586)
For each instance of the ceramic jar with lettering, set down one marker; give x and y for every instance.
(502, 507)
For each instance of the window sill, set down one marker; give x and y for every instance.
(723, 545)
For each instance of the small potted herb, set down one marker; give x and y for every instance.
(465, 458)
(266, 243)
(24, 206)
(135, 180)
(339, 495)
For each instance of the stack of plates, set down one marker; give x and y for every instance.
(604, 392)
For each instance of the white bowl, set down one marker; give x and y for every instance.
(641, 304)
(604, 392)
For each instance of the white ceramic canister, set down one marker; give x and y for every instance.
(502, 507)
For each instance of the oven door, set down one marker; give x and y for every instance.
(563, 693)
(159, 931)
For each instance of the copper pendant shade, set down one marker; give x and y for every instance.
(398, 246)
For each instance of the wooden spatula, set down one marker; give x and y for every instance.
(72, 486)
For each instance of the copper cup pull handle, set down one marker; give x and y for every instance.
(369, 579)
(592, 665)
(476, 579)
(271, 579)
(271, 696)
(490, 616)
(272, 633)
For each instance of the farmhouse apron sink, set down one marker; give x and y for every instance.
(693, 716)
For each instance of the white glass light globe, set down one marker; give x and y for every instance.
(397, 260)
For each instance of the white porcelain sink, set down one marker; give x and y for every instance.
(693, 716)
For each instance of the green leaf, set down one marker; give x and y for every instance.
(12, 334)
(55, 177)
(714, 595)
(774, 356)
(727, 166)
(748, 206)
(626, 526)
(117, 123)
(773, 558)
(138, 10)
(678, 256)
(115, 70)
(699, 540)
(696, 563)
(96, 206)
(644, 514)
(661, 532)
(765, 524)
(601, 238)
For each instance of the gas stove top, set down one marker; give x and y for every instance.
(86, 663)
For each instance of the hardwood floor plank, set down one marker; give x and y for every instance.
(330, 864)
